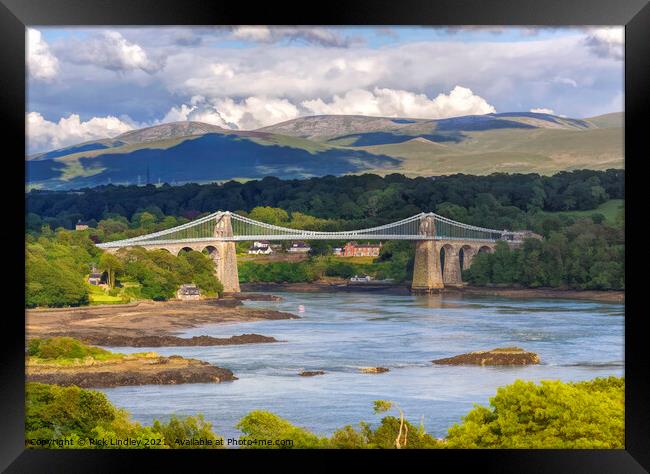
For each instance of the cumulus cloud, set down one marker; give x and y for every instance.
(400, 103)
(247, 114)
(259, 111)
(41, 63)
(607, 42)
(45, 135)
(543, 110)
(110, 50)
(273, 34)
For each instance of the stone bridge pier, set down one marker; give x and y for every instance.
(439, 263)
(225, 258)
(427, 274)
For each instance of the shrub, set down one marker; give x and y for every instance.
(260, 426)
(64, 348)
(551, 415)
(191, 431)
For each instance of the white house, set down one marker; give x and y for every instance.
(260, 248)
(299, 247)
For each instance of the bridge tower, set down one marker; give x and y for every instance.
(225, 255)
(427, 274)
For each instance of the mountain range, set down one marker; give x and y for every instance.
(183, 152)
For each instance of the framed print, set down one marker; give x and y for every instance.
(372, 233)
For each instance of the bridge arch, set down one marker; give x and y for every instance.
(445, 250)
(184, 249)
(212, 252)
(485, 249)
(465, 255)
(450, 263)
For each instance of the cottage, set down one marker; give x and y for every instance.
(299, 247)
(95, 277)
(353, 249)
(80, 226)
(188, 292)
(260, 248)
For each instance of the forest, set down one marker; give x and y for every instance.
(499, 201)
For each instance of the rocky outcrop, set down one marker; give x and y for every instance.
(147, 369)
(311, 373)
(373, 370)
(498, 356)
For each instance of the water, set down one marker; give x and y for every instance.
(340, 332)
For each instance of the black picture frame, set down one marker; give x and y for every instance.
(15, 15)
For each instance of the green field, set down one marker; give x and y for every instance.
(126, 293)
(612, 210)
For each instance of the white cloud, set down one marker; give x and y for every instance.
(607, 42)
(543, 110)
(250, 113)
(41, 63)
(273, 34)
(178, 114)
(45, 135)
(399, 103)
(110, 50)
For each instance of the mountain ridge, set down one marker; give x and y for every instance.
(336, 144)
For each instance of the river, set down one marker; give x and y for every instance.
(340, 332)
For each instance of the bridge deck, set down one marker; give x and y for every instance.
(229, 227)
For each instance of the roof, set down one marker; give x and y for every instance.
(189, 289)
(364, 245)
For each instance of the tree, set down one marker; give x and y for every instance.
(52, 282)
(270, 215)
(191, 431)
(112, 266)
(260, 426)
(549, 415)
(382, 406)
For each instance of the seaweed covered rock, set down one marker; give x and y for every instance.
(498, 356)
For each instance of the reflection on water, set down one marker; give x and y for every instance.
(340, 332)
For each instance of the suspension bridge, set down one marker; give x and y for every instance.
(217, 233)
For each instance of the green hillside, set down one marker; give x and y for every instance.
(612, 210)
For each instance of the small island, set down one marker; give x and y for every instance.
(498, 356)
(66, 361)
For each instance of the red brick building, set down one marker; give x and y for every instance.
(353, 249)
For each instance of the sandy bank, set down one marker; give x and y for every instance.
(147, 320)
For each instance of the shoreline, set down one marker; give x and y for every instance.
(605, 296)
(149, 324)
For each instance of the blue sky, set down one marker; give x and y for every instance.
(89, 83)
